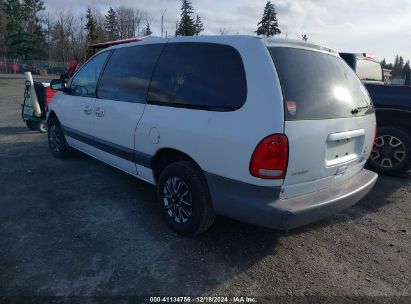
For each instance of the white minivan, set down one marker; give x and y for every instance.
(271, 132)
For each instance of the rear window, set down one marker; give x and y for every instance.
(317, 85)
(199, 76)
(369, 70)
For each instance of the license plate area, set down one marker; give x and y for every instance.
(344, 147)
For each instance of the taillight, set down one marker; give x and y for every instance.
(270, 157)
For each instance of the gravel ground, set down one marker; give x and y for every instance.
(78, 227)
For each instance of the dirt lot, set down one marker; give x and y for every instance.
(79, 227)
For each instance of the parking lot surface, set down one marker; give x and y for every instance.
(80, 227)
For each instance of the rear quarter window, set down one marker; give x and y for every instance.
(199, 75)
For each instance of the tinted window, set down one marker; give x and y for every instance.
(369, 70)
(317, 85)
(199, 75)
(84, 83)
(128, 72)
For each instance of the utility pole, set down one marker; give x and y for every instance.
(162, 22)
(49, 34)
(5, 51)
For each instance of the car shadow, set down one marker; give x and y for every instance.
(16, 131)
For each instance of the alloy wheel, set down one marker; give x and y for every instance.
(389, 151)
(55, 138)
(177, 200)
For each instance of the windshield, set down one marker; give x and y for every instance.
(318, 85)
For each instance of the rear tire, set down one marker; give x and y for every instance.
(57, 141)
(42, 126)
(392, 151)
(184, 195)
(32, 125)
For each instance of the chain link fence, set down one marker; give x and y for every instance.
(37, 67)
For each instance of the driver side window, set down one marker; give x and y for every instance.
(84, 83)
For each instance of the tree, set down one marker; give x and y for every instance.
(186, 26)
(268, 26)
(3, 23)
(223, 31)
(304, 37)
(147, 31)
(13, 30)
(32, 25)
(199, 25)
(129, 21)
(407, 72)
(111, 24)
(91, 27)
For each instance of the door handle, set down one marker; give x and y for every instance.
(87, 110)
(99, 112)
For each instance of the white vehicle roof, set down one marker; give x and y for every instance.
(229, 39)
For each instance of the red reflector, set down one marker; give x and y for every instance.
(270, 157)
(49, 94)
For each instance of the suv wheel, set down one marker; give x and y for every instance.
(392, 151)
(184, 196)
(57, 142)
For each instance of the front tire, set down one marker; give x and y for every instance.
(184, 195)
(57, 142)
(392, 151)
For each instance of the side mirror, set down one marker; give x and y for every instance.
(58, 84)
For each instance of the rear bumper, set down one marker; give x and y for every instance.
(261, 205)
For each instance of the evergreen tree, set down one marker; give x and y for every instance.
(15, 37)
(187, 26)
(36, 39)
(304, 37)
(111, 24)
(147, 31)
(398, 66)
(407, 72)
(407, 66)
(268, 26)
(401, 63)
(384, 63)
(199, 25)
(91, 27)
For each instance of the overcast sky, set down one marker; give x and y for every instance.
(379, 27)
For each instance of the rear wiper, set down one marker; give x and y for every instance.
(358, 109)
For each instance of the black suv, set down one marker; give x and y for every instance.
(392, 151)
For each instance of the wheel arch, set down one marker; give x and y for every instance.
(166, 156)
(393, 117)
(50, 115)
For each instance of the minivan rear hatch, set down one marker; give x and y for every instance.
(327, 121)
